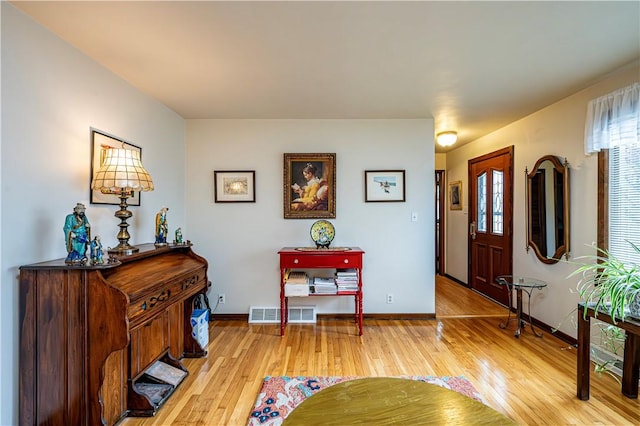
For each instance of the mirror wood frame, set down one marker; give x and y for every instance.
(562, 173)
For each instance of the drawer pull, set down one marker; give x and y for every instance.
(188, 282)
(346, 261)
(153, 301)
(295, 261)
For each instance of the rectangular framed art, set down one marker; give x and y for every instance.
(455, 195)
(234, 186)
(100, 143)
(384, 185)
(309, 186)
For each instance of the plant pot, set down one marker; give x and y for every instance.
(634, 306)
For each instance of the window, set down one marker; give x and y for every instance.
(613, 130)
(619, 207)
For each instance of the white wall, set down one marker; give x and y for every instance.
(241, 240)
(51, 96)
(556, 130)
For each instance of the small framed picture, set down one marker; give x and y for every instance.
(309, 187)
(234, 186)
(384, 185)
(100, 143)
(455, 195)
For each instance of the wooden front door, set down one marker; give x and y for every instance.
(490, 222)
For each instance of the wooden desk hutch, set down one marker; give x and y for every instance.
(89, 333)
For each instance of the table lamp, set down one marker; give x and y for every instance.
(122, 173)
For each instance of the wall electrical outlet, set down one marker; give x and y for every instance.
(222, 298)
(389, 298)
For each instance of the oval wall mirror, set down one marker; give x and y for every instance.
(548, 209)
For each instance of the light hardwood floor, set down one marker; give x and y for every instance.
(530, 380)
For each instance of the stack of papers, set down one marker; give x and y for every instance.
(322, 285)
(347, 280)
(296, 284)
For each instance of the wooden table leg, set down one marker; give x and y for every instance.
(584, 360)
(631, 366)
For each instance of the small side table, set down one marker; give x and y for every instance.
(520, 284)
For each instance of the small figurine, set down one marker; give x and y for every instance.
(96, 251)
(162, 227)
(323, 239)
(77, 235)
(179, 236)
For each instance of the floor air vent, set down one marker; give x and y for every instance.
(297, 314)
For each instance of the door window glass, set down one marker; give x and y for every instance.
(482, 203)
(498, 202)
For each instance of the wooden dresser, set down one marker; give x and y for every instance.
(88, 335)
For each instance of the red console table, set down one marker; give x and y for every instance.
(310, 258)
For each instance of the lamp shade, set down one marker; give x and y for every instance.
(447, 138)
(122, 170)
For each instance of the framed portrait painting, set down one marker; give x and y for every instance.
(309, 186)
(384, 185)
(234, 186)
(100, 143)
(455, 195)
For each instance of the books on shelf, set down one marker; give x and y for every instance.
(324, 285)
(293, 290)
(298, 283)
(296, 277)
(347, 288)
(324, 289)
(347, 280)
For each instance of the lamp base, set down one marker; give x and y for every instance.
(123, 250)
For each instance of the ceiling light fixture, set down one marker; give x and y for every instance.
(447, 138)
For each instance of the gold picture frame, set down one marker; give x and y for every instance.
(309, 187)
(455, 195)
(100, 143)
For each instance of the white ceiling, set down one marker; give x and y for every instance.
(472, 66)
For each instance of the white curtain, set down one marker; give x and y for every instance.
(613, 120)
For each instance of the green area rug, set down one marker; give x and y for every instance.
(280, 395)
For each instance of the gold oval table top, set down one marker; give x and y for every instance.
(392, 401)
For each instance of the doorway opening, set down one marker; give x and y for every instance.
(440, 195)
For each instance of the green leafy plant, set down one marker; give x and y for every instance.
(608, 284)
(612, 340)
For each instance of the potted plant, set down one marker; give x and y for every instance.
(611, 285)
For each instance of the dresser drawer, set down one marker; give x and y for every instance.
(337, 260)
(147, 305)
